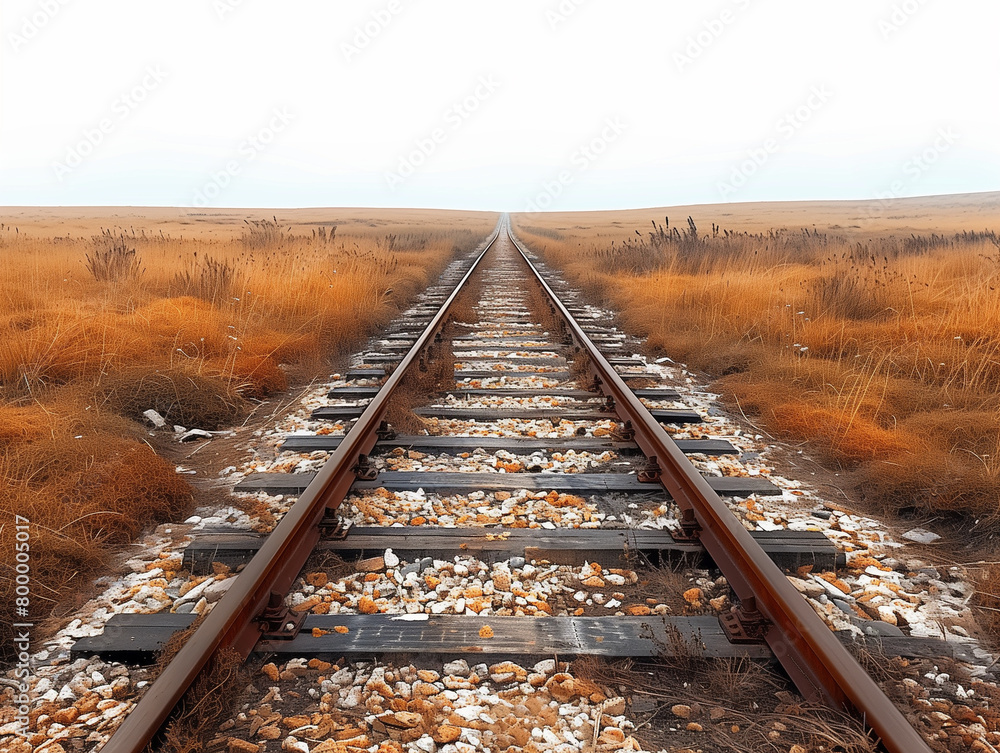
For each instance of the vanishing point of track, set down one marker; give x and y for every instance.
(769, 609)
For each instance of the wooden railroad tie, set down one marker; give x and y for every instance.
(517, 445)
(608, 547)
(668, 416)
(461, 483)
(135, 638)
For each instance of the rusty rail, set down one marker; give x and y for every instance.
(770, 608)
(235, 621)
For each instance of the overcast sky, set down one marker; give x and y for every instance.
(482, 104)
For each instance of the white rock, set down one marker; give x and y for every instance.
(545, 667)
(66, 695)
(294, 745)
(354, 698)
(390, 559)
(154, 418)
(767, 525)
(459, 668)
(194, 434)
(921, 536)
(468, 713)
(215, 591)
(425, 743)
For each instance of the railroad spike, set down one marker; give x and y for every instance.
(651, 473)
(332, 527)
(690, 529)
(385, 432)
(624, 434)
(363, 470)
(744, 623)
(277, 621)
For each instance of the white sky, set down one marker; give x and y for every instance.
(679, 102)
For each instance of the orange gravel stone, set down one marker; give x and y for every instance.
(317, 580)
(694, 596)
(269, 733)
(485, 632)
(446, 733)
(308, 604)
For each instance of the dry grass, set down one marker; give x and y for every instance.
(880, 351)
(195, 721)
(986, 601)
(730, 704)
(104, 323)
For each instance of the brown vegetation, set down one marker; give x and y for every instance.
(880, 351)
(99, 327)
(730, 704)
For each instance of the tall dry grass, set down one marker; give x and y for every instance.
(882, 354)
(96, 329)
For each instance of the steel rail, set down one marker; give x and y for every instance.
(233, 622)
(819, 665)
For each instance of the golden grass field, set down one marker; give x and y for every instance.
(105, 313)
(868, 332)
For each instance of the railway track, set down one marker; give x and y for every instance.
(445, 545)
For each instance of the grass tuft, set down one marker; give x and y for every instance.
(113, 260)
